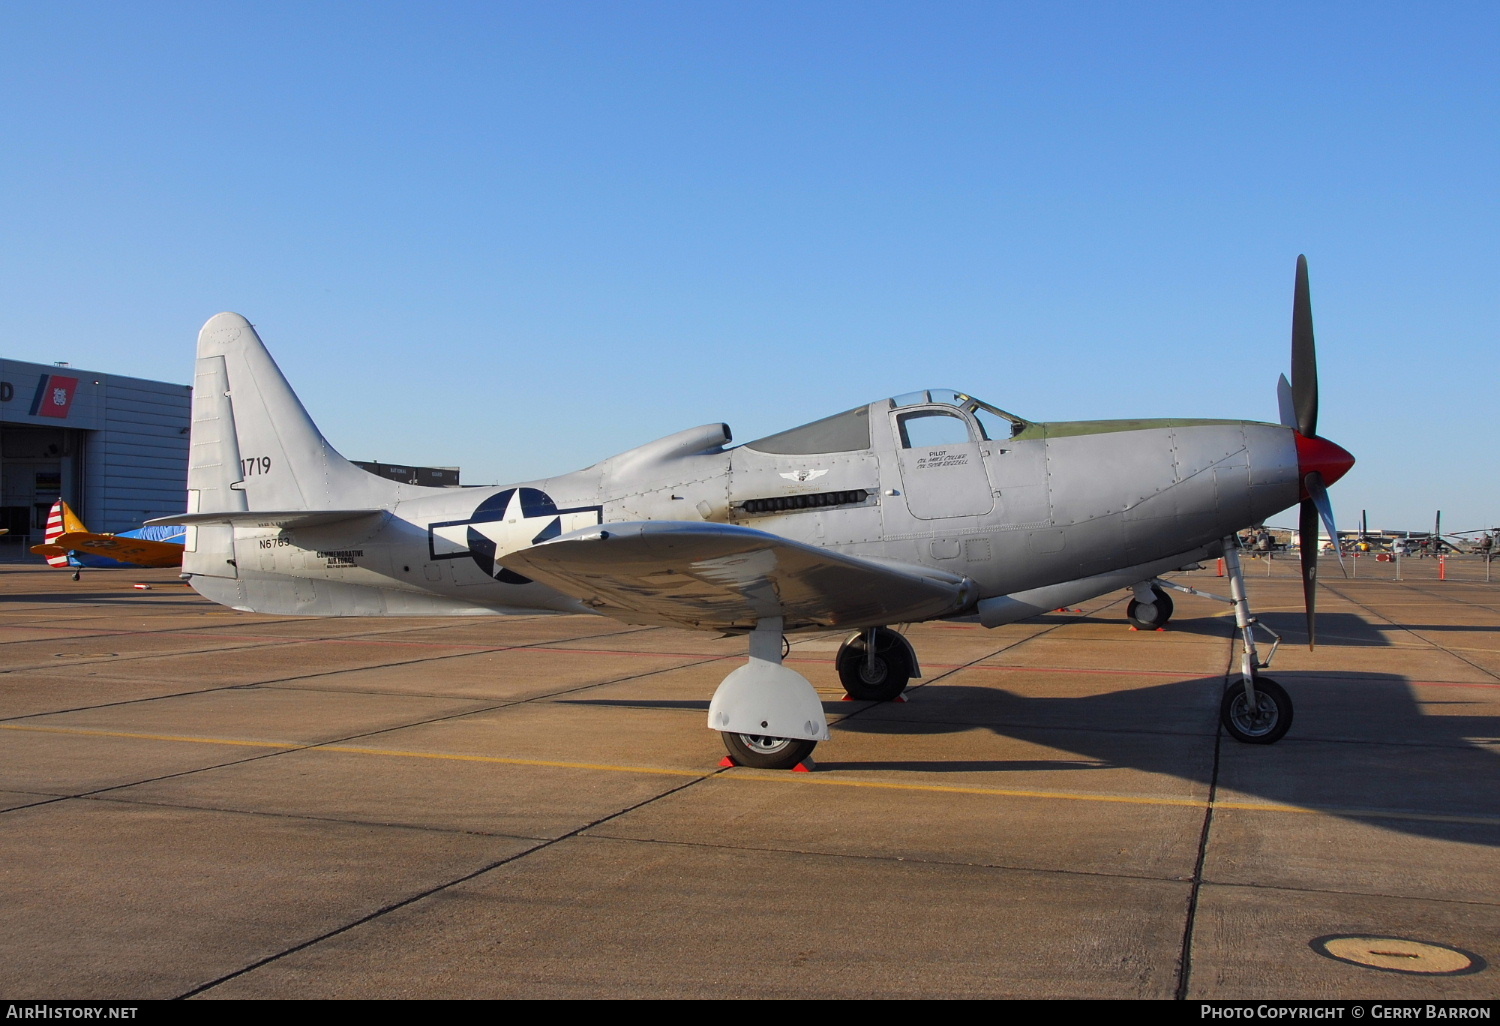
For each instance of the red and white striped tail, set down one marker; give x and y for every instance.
(54, 531)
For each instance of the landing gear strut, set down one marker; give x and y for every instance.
(1255, 709)
(876, 664)
(1258, 712)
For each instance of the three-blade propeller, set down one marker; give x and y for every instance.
(1319, 461)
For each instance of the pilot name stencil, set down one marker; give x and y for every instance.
(943, 458)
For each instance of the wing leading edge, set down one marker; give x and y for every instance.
(266, 518)
(722, 576)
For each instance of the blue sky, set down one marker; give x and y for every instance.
(521, 237)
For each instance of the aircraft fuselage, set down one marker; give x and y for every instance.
(1055, 503)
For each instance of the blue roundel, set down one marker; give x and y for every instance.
(536, 506)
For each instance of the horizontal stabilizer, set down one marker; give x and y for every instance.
(267, 518)
(727, 577)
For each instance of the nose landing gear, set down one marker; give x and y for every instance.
(1255, 709)
(1258, 712)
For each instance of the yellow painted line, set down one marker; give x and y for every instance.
(791, 778)
(507, 762)
(292, 746)
(150, 737)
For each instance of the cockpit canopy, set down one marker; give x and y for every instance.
(850, 431)
(843, 432)
(994, 423)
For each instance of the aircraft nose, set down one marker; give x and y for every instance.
(1327, 458)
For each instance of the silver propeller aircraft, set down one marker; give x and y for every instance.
(931, 505)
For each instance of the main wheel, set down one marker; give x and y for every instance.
(1266, 722)
(882, 682)
(1150, 615)
(763, 752)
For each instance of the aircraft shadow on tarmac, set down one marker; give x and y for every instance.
(1473, 628)
(1333, 628)
(1385, 755)
(177, 594)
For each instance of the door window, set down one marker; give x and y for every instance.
(926, 428)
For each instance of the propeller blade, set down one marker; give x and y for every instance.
(1318, 493)
(1304, 355)
(1285, 402)
(1307, 539)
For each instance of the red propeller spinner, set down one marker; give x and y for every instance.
(1319, 454)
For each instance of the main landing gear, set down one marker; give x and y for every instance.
(1151, 608)
(876, 664)
(762, 751)
(1255, 709)
(770, 716)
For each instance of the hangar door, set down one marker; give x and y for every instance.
(37, 467)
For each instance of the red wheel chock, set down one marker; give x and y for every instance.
(805, 766)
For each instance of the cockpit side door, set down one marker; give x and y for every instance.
(942, 463)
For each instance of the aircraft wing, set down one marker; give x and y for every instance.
(266, 518)
(135, 551)
(721, 576)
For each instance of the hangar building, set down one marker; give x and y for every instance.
(115, 448)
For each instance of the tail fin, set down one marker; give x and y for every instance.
(61, 520)
(253, 444)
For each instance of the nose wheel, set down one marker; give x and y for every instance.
(1262, 720)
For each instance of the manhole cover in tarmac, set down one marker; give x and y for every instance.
(1398, 955)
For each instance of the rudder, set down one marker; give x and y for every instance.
(61, 520)
(258, 448)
